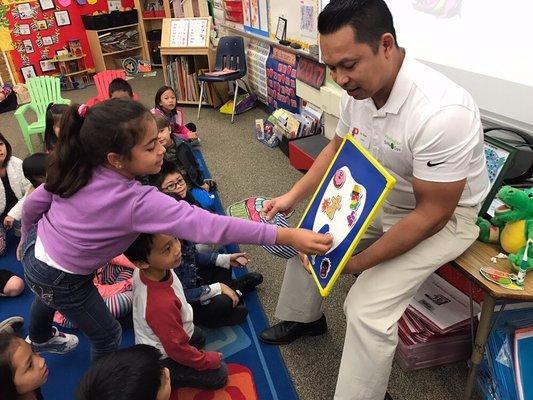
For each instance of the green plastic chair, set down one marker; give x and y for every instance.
(43, 91)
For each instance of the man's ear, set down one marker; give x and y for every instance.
(115, 160)
(388, 43)
(141, 264)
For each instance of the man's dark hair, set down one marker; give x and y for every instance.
(133, 373)
(119, 84)
(141, 248)
(34, 167)
(370, 19)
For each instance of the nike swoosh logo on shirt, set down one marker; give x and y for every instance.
(430, 164)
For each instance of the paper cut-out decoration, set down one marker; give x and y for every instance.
(344, 205)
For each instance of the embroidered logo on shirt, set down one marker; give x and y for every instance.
(392, 143)
(430, 164)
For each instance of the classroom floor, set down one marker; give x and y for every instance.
(243, 167)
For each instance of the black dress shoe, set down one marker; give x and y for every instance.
(286, 332)
(247, 282)
(388, 396)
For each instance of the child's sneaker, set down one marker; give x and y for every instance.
(60, 343)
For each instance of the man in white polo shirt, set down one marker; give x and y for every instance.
(426, 131)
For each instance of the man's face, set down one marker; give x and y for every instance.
(354, 66)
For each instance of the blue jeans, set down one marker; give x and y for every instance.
(75, 296)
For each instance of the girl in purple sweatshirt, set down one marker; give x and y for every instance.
(91, 209)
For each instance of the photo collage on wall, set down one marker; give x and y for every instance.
(35, 29)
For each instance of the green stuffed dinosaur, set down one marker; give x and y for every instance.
(512, 224)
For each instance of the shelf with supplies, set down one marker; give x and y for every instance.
(120, 40)
(186, 53)
(272, 42)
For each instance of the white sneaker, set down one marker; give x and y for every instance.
(60, 343)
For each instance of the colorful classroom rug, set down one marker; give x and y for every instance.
(256, 371)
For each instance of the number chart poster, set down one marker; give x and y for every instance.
(281, 80)
(344, 205)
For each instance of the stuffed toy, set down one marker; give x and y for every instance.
(512, 226)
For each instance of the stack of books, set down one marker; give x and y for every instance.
(435, 328)
(183, 77)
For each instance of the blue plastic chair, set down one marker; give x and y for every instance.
(230, 54)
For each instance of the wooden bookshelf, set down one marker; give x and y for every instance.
(183, 62)
(102, 59)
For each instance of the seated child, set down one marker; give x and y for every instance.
(13, 186)
(54, 112)
(165, 105)
(22, 372)
(120, 89)
(114, 282)
(162, 317)
(179, 152)
(34, 170)
(170, 180)
(134, 373)
(10, 284)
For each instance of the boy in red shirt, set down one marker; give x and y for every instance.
(162, 317)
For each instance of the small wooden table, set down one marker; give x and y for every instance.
(469, 263)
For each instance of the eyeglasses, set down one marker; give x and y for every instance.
(173, 185)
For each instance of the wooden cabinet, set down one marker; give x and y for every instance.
(109, 46)
(151, 14)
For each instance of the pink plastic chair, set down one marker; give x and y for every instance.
(102, 80)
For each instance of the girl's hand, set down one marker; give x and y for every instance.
(230, 293)
(193, 136)
(305, 241)
(282, 204)
(8, 222)
(239, 259)
(18, 253)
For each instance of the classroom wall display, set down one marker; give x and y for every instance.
(256, 59)
(281, 80)
(345, 203)
(301, 16)
(311, 72)
(54, 37)
(255, 13)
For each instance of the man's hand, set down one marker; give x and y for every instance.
(230, 293)
(282, 204)
(8, 222)
(305, 262)
(239, 259)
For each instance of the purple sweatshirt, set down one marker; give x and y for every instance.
(104, 217)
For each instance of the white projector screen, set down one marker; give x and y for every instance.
(483, 45)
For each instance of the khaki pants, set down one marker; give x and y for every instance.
(376, 300)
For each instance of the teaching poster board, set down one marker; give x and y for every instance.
(345, 203)
(185, 32)
(301, 16)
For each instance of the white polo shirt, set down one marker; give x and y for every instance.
(429, 128)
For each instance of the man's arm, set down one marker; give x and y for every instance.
(306, 185)
(435, 205)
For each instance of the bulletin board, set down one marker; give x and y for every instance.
(301, 16)
(344, 205)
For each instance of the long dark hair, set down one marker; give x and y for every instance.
(53, 116)
(133, 373)
(8, 391)
(112, 126)
(158, 95)
(9, 150)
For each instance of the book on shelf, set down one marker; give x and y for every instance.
(183, 77)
